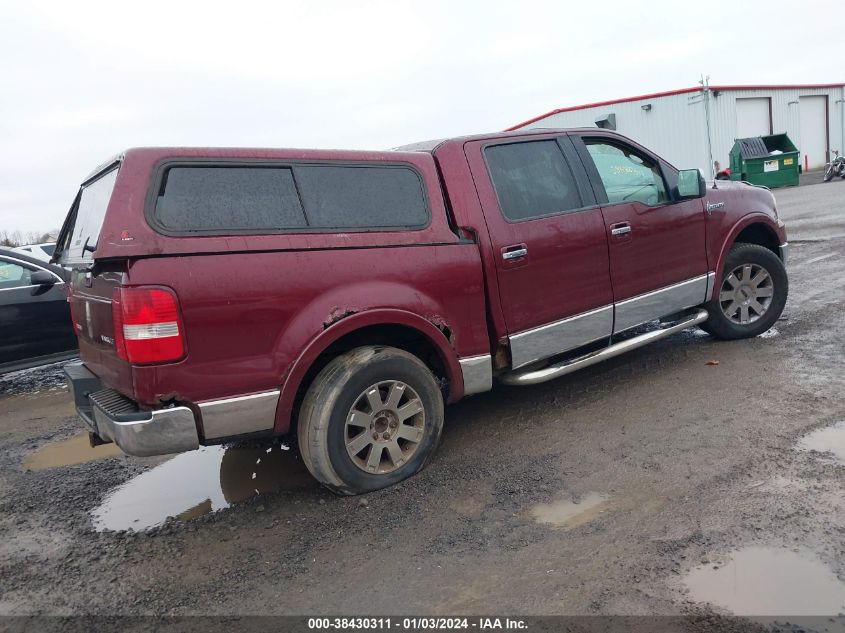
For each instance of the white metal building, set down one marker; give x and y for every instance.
(693, 127)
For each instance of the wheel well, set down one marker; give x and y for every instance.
(392, 335)
(761, 235)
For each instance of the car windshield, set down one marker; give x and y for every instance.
(79, 237)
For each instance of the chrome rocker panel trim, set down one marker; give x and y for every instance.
(239, 415)
(711, 284)
(568, 366)
(658, 303)
(561, 336)
(478, 373)
(784, 252)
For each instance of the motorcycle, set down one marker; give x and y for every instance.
(836, 167)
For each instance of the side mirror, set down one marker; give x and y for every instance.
(42, 278)
(691, 184)
(41, 281)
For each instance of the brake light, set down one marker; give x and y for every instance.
(147, 325)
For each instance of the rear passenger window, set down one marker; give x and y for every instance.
(532, 179)
(221, 199)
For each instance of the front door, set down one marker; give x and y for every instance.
(549, 243)
(658, 261)
(35, 321)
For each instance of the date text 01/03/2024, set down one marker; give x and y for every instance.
(416, 624)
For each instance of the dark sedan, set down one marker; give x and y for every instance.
(34, 314)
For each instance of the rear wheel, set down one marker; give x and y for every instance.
(752, 293)
(371, 418)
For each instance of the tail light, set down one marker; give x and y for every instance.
(147, 325)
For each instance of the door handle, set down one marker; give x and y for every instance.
(623, 228)
(514, 252)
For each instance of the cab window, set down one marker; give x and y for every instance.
(627, 175)
(532, 180)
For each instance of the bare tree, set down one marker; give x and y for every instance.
(10, 239)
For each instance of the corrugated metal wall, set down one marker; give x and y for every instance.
(785, 116)
(675, 126)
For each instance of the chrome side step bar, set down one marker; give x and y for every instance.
(532, 377)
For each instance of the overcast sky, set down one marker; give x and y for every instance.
(80, 81)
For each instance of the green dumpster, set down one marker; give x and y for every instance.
(765, 160)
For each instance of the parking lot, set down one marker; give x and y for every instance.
(690, 476)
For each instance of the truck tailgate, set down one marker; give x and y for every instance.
(91, 304)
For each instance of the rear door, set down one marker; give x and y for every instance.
(658, 261)
(549, 244)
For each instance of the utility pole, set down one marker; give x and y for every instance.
(704, 82)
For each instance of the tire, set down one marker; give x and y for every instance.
(828, 174)
(733, 314)
(363, 392)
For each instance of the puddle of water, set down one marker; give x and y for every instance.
(765, 581)
(201, 481)
(830, 440)
(566, 513)
(75, 450)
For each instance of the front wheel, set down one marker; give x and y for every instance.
(371, 418)
(752, 293)
(828, 173)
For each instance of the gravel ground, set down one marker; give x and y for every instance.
(35, 380)
(679, 465)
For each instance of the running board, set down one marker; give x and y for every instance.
(532, 377)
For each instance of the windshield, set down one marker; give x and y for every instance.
(79, 238)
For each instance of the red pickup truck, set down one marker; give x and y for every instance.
(346, 296)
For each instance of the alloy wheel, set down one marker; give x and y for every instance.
(746, 293)
(384, 427)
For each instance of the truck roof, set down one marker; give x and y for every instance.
(407, 152)
(434, 144)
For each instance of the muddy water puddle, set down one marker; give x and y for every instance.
(764, 581)
(568, 513)
(829, 440)
(201, 481)
(74, 450)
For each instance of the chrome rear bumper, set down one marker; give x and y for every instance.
(115, 418)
